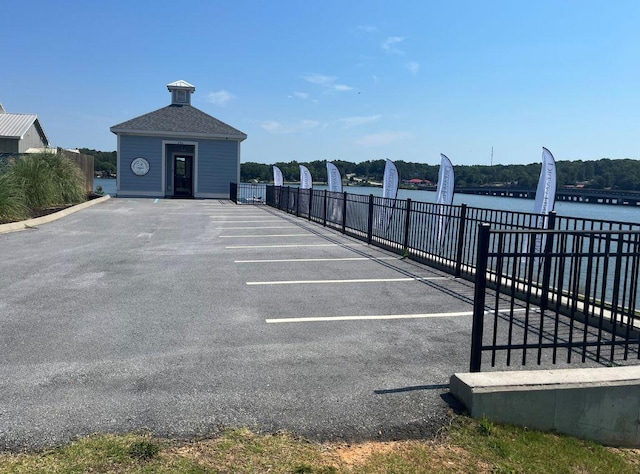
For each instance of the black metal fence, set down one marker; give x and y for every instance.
(438, 235)
(245, 193)
(551, 294)
(579, 275)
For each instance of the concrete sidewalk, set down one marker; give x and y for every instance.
(184, 317)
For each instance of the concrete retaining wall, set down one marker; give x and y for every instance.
(601, 404)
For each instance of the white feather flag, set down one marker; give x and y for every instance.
(444, 197)
(545, 195)
(277, 176)
(334, 180)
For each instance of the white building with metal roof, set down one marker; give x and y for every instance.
(20, 132)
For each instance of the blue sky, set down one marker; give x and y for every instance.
(315, 80)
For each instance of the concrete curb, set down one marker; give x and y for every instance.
(601, 404)
(29, 223)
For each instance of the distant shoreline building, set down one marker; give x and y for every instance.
(20, 133)
(177, 151)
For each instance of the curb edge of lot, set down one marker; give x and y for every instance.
(22, 225)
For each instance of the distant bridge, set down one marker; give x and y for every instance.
(591, 196)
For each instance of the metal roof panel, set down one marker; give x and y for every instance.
(15, 125)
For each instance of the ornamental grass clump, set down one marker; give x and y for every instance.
(35, 178)
(12, 205)
(67, 180)
(37, 182)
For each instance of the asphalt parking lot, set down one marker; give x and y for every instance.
(182, 318)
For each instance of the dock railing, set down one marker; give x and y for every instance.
(543, 295)
(583, 269)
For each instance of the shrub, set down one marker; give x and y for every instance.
(33, 175)
(47, 180)
(67, 178)
(12, 205)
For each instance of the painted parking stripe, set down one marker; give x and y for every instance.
(253, 227)
(290, 260)
(288, 246)
(252, 221)
(264, 235)
(367, 318)
(356, 280)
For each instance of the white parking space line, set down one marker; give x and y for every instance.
(288, 246)
(357, 280)
(367, 318)
(252, 221)
(291, 260)
(264, 235)
(258, 227)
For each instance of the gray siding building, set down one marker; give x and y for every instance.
(177, 151)
(20, 132)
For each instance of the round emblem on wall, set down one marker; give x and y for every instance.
(140, 166)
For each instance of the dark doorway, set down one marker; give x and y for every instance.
(183, 176)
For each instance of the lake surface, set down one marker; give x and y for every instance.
(563, 208)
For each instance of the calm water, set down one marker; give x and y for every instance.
(571, 209)
(109, 186)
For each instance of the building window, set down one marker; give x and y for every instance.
(181, 96)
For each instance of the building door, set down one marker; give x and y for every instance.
(183, 176)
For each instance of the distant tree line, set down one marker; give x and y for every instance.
(599, 174)
(104, 162)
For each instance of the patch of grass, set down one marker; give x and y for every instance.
(518, 449)
(466, 446)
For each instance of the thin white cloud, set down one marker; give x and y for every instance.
(220, 98)
(367, 28)
(327, 82)
(278, 128)
(300, 95)
(390, 43)
(350, 122)
(382, 138)
(413, 67)
(320, 79)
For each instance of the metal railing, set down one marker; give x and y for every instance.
(542, 294)
(245, 193)
(579, 275)
(439, 235)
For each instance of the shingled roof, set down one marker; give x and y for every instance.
(178, 121)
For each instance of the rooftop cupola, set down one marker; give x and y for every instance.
(181, 92)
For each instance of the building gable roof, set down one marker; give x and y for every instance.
(16, 125)
(178, 120)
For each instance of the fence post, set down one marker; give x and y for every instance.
(324, 218)
(546, 271)
(344, 212)
(310, 201)
(370, 219)
(407, 224)
(298, 202)
(482, 255)
(461, 228)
